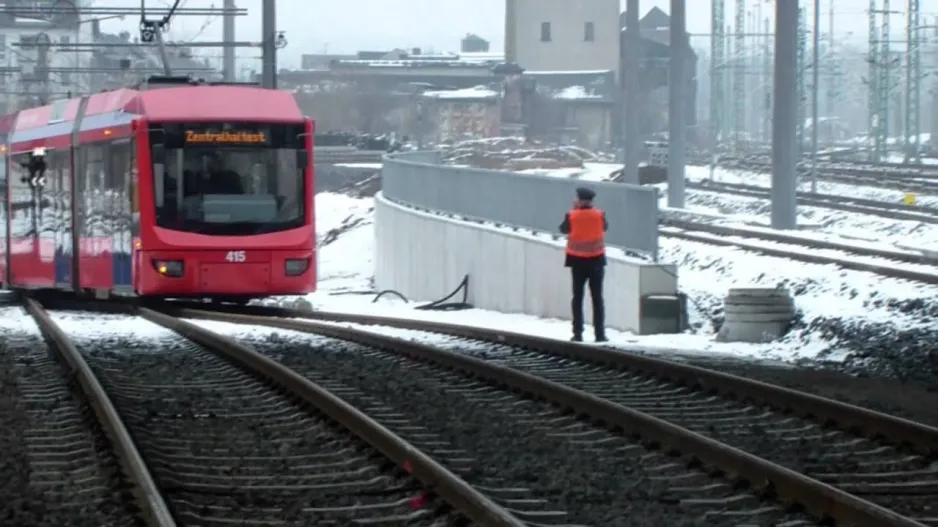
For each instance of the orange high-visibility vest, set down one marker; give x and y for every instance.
(587, 236)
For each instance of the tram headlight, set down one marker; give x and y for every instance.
(295, 266)
(170, 268)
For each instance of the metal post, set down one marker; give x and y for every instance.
(873, 58)
(677, 113)
(767, 69)
(228, 35)
(885, 83)
(831, 84)
(716, 82)
(913, 74)
(815, 89)
(802, 82)
(269, 45)
(739, 78)
(158, 33)
(784, 114)
(42, 66)
(632, 98)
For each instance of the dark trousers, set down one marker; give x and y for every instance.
(592, 273)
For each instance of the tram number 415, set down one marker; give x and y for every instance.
(235, 257)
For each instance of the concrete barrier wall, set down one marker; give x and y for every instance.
(424, 256)
(534, 201)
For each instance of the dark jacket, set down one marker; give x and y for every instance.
(579, 260)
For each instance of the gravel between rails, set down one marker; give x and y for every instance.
(226, 448)
(833, 456)
(57, 468)
(526, 454)
(908, 400)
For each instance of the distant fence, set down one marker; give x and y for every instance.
(525, 200)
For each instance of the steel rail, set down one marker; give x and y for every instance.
(922, 438)
(891, 271)
(155, 511)
(823, 500)
(894, 211)
(766, 234)
(451, 488)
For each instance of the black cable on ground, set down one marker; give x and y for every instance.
(442, 305)
(389, 292)
(437, 305)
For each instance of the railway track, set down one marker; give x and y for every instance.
(907, 178)
(209, 432)
(522, 452)
(892, 263)
(895, 211)
(57, 465)
(862, 467)
(505, 438)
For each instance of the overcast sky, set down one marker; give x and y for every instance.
(345, 26)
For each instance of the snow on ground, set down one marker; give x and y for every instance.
(104, 327)
(589, 172)
(706, 273)
(849, 225)
(346, 266)
(755, 211)
(376, 166)
(700, 173)
(343, 225)
(16, 319)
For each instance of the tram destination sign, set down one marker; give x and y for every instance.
(226, 138)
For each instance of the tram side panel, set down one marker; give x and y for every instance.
(57, 219)
(32, 247)
(4, 221)
(104, 219)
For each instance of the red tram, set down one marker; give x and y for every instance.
(182, 191)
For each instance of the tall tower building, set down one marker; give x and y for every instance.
(563, 35)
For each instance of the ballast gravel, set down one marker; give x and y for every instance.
(596, 477)
(56, 467)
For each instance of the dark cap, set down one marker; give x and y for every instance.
(585, 194)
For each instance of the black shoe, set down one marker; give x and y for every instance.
(601, 338)
(577, 338)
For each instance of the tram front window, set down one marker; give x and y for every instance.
(228, 190)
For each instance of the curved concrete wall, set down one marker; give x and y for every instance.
(424, 255)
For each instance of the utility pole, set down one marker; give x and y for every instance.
(631, 96)
(767, 75)
(43, 42)
(739, 79)
(228, 35)
(880, 83)
(717, 56)
(802, 85)
(677, 110)
(831, 92)
(815, 89)
(913, 77)
(784, 113)
(269, 45)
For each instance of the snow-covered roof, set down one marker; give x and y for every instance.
(481, 56)
(594, 86)
(571, 72)
(576, 92)
(411, 63)
(478, 92)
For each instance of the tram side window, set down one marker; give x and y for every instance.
(21, 196)
(56, 187)
(118, 173)
(93, 182)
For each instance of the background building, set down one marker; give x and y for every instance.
(563, 35)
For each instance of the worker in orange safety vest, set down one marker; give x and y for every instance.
(585, 227)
